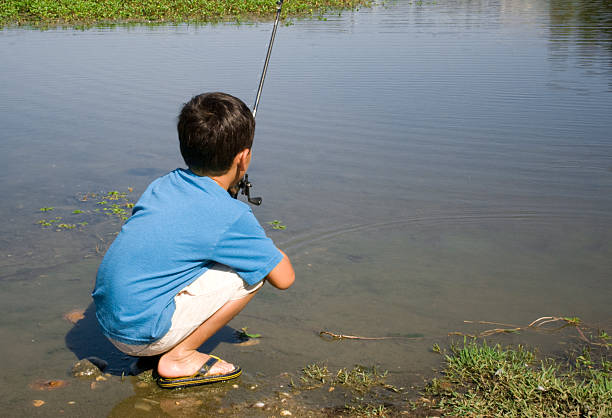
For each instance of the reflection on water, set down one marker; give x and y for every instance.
(581, 32)
(433, 162)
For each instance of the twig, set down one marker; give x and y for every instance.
(535, 325)
(350, 337)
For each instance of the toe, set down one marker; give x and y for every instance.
(221, 367)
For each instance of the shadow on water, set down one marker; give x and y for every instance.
(86, 340)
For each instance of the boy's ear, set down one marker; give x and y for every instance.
(243, 158)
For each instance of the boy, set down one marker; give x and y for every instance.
(190, 257)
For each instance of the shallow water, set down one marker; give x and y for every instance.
(433, 163)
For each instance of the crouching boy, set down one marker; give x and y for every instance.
(190, 257)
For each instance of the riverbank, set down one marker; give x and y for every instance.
(478, 379)
(47, 13)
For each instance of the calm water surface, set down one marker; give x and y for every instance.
(433, 163)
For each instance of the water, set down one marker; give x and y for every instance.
(433, 163)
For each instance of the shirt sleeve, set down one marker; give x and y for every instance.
(247, 250)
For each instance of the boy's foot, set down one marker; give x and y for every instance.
(190, 364)
(206, 374)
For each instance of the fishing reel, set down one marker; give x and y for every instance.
(244, 186)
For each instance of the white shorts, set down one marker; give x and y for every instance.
(194, 305)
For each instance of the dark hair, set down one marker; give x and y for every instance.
(212, 129)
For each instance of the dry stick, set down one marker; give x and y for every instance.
(351, 337)
(537, 324)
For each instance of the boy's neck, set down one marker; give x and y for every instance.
(226, 180)
(237, 171)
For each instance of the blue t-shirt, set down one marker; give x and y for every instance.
(180, 226)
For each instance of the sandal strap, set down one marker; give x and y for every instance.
(209, 363)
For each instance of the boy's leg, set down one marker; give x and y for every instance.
(184, 359)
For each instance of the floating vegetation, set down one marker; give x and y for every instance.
(276, 224)
(88, 12)
(484, 380)
(243, 335)
(115, 204)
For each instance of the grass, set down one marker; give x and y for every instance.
(89, 12)
(484, 380)
(364, 386)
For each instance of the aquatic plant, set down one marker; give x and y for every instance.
(242, 334)
(276, 224)
(114, 203)
(53, 12)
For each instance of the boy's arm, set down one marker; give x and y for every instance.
(282, 276)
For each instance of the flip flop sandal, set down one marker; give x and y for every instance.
(200, 378)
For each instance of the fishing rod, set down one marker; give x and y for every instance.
(244, 185)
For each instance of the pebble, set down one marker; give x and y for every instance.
(38, 403)
(259, 405)
(142, 406)
(74, 316)
(235, 386)
(285, 413)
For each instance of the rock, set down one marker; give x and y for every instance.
(101, 364)
(38, 403)
(85, 368)
(74, 315)
(285, 413)
(259, 405)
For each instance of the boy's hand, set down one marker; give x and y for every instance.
(283, 275)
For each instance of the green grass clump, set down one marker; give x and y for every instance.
(360, 378)
(315, 375)
(78, 12)
(483, 380)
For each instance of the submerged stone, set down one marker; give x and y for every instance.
(86, 368)
(74, 316)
